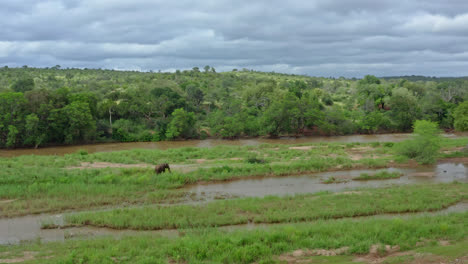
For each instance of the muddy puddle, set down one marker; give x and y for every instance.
(259, 187)
(207, 143)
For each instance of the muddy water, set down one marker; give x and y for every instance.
(22, 229)
(208, 143)
(15, 230)
(446, 172)
(28, 228)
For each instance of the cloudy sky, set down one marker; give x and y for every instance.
(348, 38)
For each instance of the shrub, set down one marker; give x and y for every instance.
(425, 145)
(82, 152)
(254, 159)
(388, 144)
(461, 117)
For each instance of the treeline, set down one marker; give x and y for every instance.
(69, 106)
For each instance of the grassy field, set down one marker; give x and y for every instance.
(261, 245)
(291, 229)
(273, 209)
(36, 184)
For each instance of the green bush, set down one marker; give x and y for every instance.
(425, 145)
(82, 152)
(388, 144)
(252, 159)
(461, 117)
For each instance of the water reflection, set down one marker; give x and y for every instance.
(208, 143)
(446, 172)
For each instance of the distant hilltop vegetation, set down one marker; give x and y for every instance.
(51, 106)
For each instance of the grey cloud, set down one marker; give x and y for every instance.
(315, 37)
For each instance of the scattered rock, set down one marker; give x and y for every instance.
(375, 249)
(298, 255)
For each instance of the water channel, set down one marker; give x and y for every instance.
(28, 228)
(207, 143)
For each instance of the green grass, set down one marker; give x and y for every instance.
(380, 175)
(44, 184)
(453, 251)
(331, 180)
(443, 254)
(273, 209)
(261, 245)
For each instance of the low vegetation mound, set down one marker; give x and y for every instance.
(381, 175)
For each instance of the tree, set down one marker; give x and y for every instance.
(33, 136)
(461, 117)
(81, 125)
(207, 68)
(23, 85)
(224, 125)
(194, 95)
(369, 79)
(182, 125)
(283, 116)
(404, 108)
(108, 106)
(12, 111)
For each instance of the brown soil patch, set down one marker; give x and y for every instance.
(200, 161)
(453, 150)
(235, 159)
(301, 148)
(418, 258)
(444, 242)
(173, 261)
(351, 192)
(28, 255)
(361, 149)
(355, 156)
(7, 201)
(455, 160)
(102, 165)
(432, 259)
(298, 256)
(359, 156)
(376, 255)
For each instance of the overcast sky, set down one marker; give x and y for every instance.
(348, 38)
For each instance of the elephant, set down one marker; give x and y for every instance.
(162, 168)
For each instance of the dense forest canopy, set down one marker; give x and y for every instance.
(69, 106)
